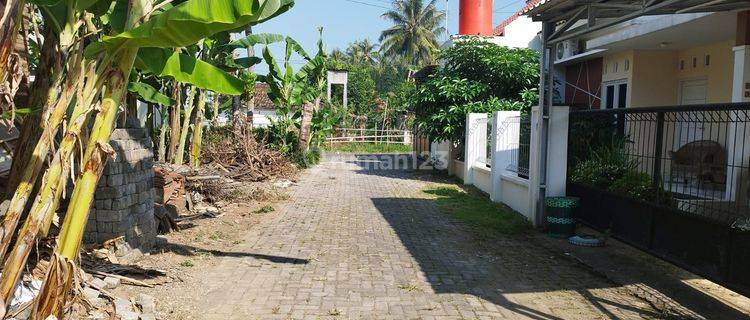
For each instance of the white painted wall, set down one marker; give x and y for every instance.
(475, 143)
(440, 154)
(482, 177)
(459, 169)
(522, 33)
(514, 192)
(262, 118)
(502, 185)
(557, 158)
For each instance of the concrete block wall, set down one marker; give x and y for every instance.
(124, 199)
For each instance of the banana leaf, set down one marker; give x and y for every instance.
(149, 94)
(242, 63)
(255, 39)
(187, 69)
(191, 21)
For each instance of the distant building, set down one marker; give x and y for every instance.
(265, 108)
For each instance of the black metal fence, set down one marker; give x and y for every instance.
(674, 181)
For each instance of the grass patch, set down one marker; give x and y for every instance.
(476, 209)
(187, 263)
(368, 148)
(265, 209)
(218, 235)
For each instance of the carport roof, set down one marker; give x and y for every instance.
(559, 10)
(600, 14)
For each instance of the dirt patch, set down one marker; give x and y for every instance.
(189, 255)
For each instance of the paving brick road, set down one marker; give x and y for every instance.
(358, 243)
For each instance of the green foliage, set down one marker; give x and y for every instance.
(189, 22)
(324, 123)
(149, 94)
(476, 77)
(362, 89)
(415, 31)
(610, 168)
(476, 209)
(592, 133)
(306, 159)
(188, 69)
(507, 71)
(633, 183)
(604, 167)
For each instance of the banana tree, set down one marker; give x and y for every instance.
(290, 90)
(10, 21)
(99, 77)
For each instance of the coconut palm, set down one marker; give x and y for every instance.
(415, 32)
(338, 55)
(364, 51)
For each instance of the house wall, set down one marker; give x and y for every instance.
(522, 33)
(262, 118)
(482, 177)
(619, 66)
(583, 84)
(719, 73)
(654, 77)
(614, 66)
(515, 194)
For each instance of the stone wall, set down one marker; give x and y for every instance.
(124, 199)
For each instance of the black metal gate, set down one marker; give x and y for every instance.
(673, 181)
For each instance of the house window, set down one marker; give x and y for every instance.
(695, 62)
(627, 65)
(615, 95)
(617, 67)
(708, 60)
(682, 64)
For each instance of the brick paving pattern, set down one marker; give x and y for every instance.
(358, 243)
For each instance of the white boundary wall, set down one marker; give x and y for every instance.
(503, 185)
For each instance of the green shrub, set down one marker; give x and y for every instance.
(603, 168)
(633, 183)
(613, 170)
(475, 77)
(307, 159)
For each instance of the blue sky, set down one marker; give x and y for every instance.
(345, 21)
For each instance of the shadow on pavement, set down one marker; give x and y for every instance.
(190, 251)
(457, 260)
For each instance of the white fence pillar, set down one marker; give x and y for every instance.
(407, 137)
(475, 145)
(736, 189)
(557, 151)
(506, 135)
(557, 158)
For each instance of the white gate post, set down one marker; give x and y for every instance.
(475, 143)
(736, 190)
(557, 163)
(505, 140)
(557, 151)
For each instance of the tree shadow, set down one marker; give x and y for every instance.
(493, 267)
(191, 251)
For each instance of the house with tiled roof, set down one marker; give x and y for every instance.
(265, 108)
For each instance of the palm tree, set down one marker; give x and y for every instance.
(415, 31)
(364, 51)
(338, 55)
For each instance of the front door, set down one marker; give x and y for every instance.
(692, 92)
